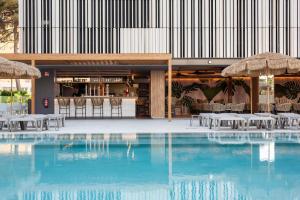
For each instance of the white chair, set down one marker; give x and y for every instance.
(283, 107)
(239, 108)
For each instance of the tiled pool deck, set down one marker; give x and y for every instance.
(138, 126)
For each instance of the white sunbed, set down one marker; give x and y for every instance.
(39, 122)
(290, 119)
(3, 121)
(278, 120)
(217, 120)
(260, 121)
(59, 120)
(202, 119)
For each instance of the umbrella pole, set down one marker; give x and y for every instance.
(251, 94)
(268, 89)
(268, 93)
(11, 96)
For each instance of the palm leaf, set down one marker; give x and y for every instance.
(177, 89)
(292, 89)
(242, 83)
(280, 90)
(187, 101)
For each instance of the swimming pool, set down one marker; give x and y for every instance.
(150, 166)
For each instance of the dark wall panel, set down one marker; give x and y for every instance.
(45, 89)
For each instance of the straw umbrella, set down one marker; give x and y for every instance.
(263, 64)
(16, 70)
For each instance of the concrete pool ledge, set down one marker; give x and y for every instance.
(137, 126)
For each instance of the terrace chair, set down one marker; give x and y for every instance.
(97, 104)
(206, 107)
(296, 107)
(284, 107)
(263, 107)
(218, 108)
(115, 105)
(238, 108)
(64, 106)
(228, 106)
(80, 105)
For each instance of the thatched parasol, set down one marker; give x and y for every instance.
(17, 70)
(263, 64)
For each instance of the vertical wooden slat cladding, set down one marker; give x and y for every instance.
(157, 93)
(185, 28)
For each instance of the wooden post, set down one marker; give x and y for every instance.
(254, 94)
(229, 92)
(251, 94)
(170, 90)
(33, 91)
(157, 94)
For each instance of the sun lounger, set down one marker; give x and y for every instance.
(193, 117)
(39, 122)
(59, 120)
(3, 121)
(289, 119)
(278, 121)
(202, 119)
(260, 121)
(218, 120)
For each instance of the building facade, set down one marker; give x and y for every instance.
(183, 28)
(201, 37)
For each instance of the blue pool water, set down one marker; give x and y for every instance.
(150, 166)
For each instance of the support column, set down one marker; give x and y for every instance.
(33, 93)
(157, 93)
(254, 94)
(169, 90)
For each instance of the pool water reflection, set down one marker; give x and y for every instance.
(150, 166)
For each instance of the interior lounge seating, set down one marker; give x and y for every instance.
(238, 108)
(283, 107)
(218, 107)
(296, 107)
(262, 107)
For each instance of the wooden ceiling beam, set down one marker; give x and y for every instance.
(88, 57)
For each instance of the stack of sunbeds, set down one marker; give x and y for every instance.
(38, 122)
(266, 121)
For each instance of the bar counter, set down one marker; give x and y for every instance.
(128, 106)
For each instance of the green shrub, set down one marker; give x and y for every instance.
(18, 96)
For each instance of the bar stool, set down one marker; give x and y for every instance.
(64, 106)
(97, 104)
(116, 105)
(80, 105)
